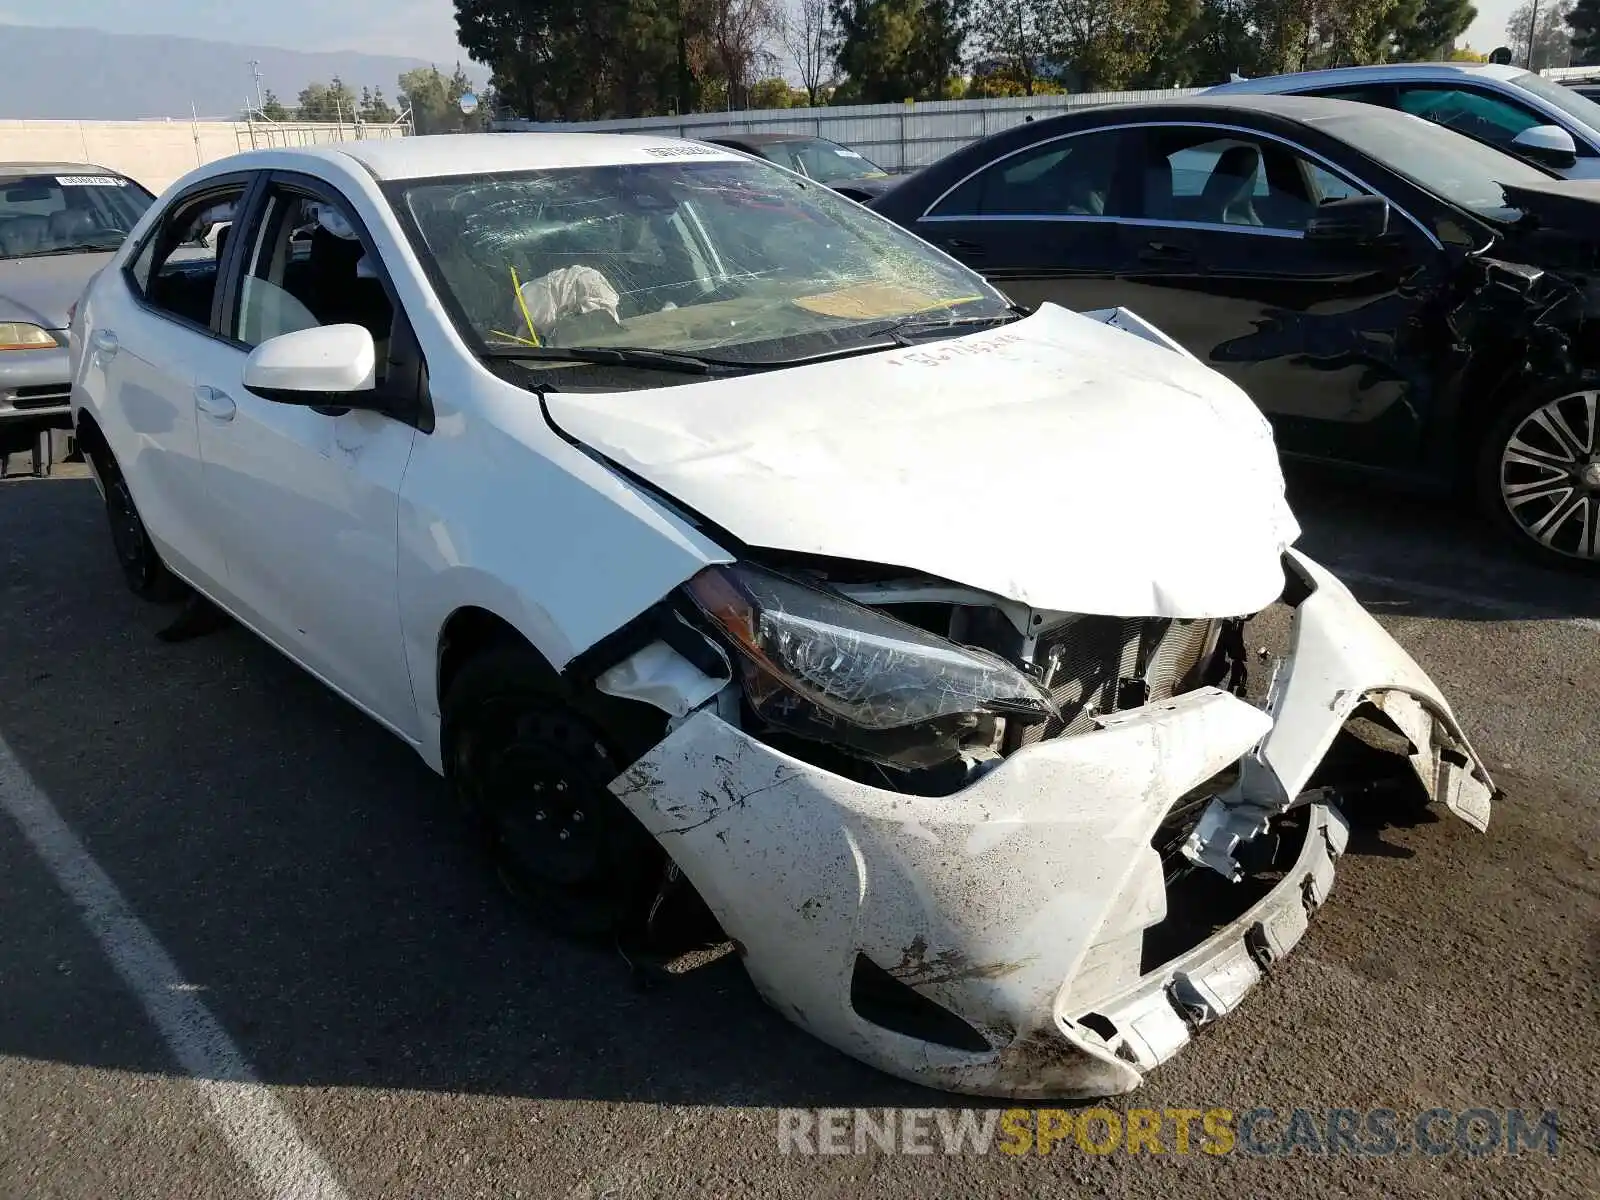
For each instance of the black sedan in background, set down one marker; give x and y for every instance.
(1396, 297)
(839, 167)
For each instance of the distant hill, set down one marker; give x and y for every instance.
(88, 75)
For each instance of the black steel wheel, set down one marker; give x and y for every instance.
(146, 575)
(532, 774)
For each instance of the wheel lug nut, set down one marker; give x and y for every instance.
(539, 815)
(564, 835)
(577, 816)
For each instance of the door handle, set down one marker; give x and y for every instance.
(1162, 254)
(219, 406)
(961, 246)
(105, 343)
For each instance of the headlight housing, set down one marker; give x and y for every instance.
(820, 666)
(19, 335)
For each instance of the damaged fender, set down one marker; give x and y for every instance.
(1341, 657)
(984, 902)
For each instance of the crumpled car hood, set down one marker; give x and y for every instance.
(1054, 461)
(40, 290)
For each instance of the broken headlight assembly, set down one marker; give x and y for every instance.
(819, 666)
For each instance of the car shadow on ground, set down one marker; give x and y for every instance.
(307, 873)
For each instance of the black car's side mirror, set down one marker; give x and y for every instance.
(1358, 219)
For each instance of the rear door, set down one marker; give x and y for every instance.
(1327, 337)
(1041, 223)
(151, 330)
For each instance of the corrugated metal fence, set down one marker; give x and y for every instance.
(897, 137)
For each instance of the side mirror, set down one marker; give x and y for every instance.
(325, 366)
(1547, 145)
(1358, 219)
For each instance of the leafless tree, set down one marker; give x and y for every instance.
(737, 34)
(808, 37)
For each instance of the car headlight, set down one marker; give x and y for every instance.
(19, 335)
(820, 666)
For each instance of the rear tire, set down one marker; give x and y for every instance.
(1538, 475)
(146, 575)
(532, 774)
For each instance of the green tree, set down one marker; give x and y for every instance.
(1426, 30)
(273, 109)
(1109, 44)
(1014, 39)
(375, 108)
(1584, 22)
(898, 49)
(769, 93)
(333, 101)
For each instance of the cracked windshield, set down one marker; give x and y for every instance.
(736, 263)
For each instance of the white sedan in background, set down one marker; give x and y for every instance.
(723, 544)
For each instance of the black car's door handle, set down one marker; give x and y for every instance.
(1163, 254)
(963, 248)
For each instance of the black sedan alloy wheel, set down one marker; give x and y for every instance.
(1549, 475)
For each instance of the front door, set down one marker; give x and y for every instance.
(1328, 337)
(1040, 223)
(309, 498)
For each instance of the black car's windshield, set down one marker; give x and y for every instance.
(824, 161)
(735, 261)
(66, 214)
(1448, 164)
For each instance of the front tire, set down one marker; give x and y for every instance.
(532, 773)
(146, 575)
(1538, 475)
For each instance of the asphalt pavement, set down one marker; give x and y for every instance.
(304, 875)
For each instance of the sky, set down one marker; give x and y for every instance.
(1489, 30)
(412, 28)
(415, 28)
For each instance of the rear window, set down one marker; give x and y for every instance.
(66, 213)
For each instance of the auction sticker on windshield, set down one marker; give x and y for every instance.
(90, 181)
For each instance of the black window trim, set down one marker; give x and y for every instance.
(251, 182)
(403, 339)
(1322, 160)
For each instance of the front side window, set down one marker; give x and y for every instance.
(307, 266)
(735, 259)
(1193, 176)
(175, 270)
(67, 214)
(1069, 177)
(1477, 114)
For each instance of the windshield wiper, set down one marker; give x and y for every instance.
(622, 356)
(914, 327)
(63, 250)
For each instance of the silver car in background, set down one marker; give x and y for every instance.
(59, 225)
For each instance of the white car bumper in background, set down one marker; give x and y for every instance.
(1018, 906)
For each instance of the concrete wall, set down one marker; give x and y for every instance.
(158, 152)
(897, 137)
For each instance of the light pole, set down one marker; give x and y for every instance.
(255, 70)
(1533, 26)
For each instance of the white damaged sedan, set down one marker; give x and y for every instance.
(727, 548)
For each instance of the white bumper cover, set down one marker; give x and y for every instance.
(1019, 904)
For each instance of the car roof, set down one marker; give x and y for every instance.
(56, 168)
(1385, 73)
(1291, 107)
(439, 155)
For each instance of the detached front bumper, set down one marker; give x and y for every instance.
(1019, 905)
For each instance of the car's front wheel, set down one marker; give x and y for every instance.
(1538, 475)
(532, 773)
(146, 575)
